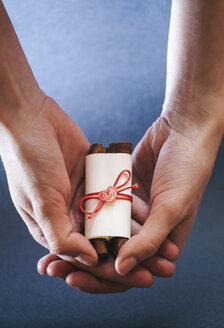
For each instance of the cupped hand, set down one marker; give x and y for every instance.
(172, 169)
(103, 278)
(43, 154)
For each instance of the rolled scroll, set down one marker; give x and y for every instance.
(108, 197)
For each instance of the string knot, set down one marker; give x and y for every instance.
(109, 195)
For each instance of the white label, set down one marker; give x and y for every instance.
(114, 218)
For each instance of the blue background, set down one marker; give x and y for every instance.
(104, 62)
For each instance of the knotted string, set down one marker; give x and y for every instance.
(109, 195)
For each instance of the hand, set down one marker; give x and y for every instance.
(43, 153)
(173, 169)
(103, 278)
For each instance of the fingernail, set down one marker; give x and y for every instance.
(49, 271)
(125, 266)
(86, 259)
(40, 270)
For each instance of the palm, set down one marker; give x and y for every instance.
(44, 162)
(98, 278)
(170, 173)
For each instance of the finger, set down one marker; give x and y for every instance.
(62, 238)
(90, 284)
(140, 157)
(139, 210)
(140, 191)
(75, 179)
(44, 262)
(60, 269)
(156, 265)
(135, 227)
(146, 243)
(139, 277)
(168, 250)
(75, 214)
(159, 266)
(82, 280)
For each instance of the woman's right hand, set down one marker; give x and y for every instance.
(43, 154)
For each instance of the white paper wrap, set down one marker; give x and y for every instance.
(114, 218)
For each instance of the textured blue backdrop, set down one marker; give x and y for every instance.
(107, 57)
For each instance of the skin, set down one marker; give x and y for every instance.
(44, 163)
(174, 160)
(103, 278)
(167, 200)
(183, 143)
(174, 190)
(43, 153)
(44, 160)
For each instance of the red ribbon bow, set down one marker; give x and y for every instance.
(108, 195)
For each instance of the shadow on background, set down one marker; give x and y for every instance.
(104, 63)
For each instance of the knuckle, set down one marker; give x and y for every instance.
(48, 206)
(173, 210)
(152, 247)
(149, 246)
(38, 236)
(170, 208)
(58, 247)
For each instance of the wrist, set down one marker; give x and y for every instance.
(188, 114)
(201, 131)
(16, 107)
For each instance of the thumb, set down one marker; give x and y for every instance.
(63, 240)
(162, 219)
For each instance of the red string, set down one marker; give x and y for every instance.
(109, 195)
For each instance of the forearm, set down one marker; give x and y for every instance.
(19, 90)
(195, 64)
